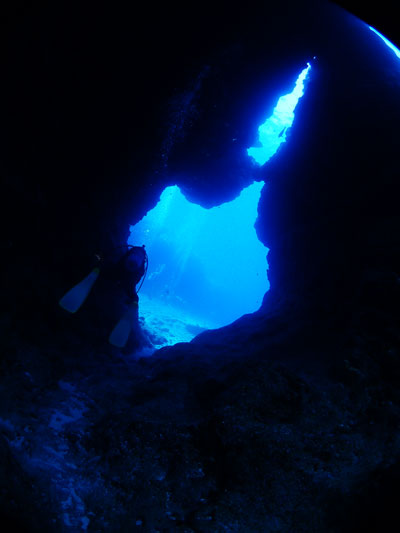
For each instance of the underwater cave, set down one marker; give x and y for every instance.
(207, 266)
(254, 152)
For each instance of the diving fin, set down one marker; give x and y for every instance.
(120, 334)
(74, 298)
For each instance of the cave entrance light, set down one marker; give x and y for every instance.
(206, 266)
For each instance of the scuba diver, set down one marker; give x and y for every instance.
(129, 270)
(125, 274)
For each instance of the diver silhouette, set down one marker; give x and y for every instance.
(124, 273)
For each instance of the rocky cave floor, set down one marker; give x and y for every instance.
(94, 440)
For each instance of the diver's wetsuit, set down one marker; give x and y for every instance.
(129, 271)
(126, 273)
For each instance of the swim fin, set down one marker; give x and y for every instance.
(74, 298)
(120, 334)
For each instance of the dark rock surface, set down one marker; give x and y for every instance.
(285, 421)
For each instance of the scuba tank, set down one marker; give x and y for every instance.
(129, 269)
(135, 263)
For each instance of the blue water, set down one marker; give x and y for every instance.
(206, 262)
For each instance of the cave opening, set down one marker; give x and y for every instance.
(272, 132)
(207, 267)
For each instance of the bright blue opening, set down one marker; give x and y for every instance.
(387, 42)
(206, 266)
(272, 133)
